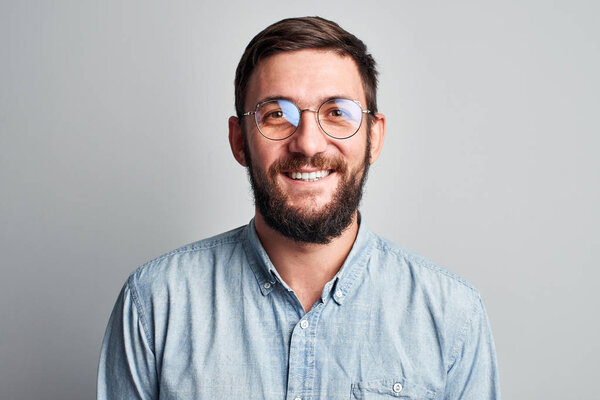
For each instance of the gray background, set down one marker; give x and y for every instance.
(113, 150)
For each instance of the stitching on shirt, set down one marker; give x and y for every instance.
(359, 267)
(462, 336)
(140, 310)
(231, 237)
(354, 269)
(369, 343)
(421, 262)
(260, 275)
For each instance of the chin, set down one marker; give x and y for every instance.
(310, 207)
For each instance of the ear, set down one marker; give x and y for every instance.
(236, 141)
(377, 136)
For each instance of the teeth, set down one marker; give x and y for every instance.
(308, 176)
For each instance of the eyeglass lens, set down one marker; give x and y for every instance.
(278, 119)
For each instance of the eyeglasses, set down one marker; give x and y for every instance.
(279, 119)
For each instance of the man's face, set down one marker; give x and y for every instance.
(313, 211)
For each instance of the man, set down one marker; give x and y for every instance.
(304, 302)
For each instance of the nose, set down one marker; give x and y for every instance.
(308, 139)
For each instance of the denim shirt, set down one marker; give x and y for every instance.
(214, 320)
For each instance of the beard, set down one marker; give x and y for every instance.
(318, 226)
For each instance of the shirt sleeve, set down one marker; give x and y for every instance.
(127, 368)
(474, 373)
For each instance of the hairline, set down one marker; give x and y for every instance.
(340, 52)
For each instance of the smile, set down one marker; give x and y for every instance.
(308, 176)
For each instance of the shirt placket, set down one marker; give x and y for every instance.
(301, 362)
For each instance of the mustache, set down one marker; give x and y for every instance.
(319, 161)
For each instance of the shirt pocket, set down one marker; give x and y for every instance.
(389, 388)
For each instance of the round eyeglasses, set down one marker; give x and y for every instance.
(279, 119)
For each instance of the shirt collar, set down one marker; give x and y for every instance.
(343, 283)
(263, 268)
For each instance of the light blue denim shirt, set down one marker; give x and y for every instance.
(213, 320)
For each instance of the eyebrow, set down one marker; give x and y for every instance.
(295, 100)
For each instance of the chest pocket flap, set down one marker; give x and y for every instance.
(388, 388)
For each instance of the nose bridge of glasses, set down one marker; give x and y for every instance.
(301, 110)
(311, 110)
(308, 138)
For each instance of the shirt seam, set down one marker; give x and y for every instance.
(260, 274)
(369, 343)
(351, 278)
(140, 309)
(192, 248)
(381, 245)
(462, 336)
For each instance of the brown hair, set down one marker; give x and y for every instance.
(293, 34)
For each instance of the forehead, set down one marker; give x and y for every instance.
(307, 77)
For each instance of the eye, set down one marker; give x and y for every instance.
(336, 113)
(274, 114)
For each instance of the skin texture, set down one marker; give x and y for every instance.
(307, 77)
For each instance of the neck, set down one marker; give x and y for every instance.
(306, 267)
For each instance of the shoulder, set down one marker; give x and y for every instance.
(197, 259)
(405, 270)
(437, 302)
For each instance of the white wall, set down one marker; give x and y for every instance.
(113, 150)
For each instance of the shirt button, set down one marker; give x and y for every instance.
(304, 324)
(397, 388)
(339, 294)
(297, 398)
(267, 285)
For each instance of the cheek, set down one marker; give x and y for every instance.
(354, 154)
(264, 156)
